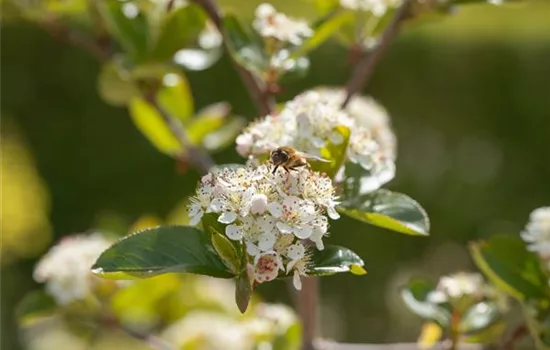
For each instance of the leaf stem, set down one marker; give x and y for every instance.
(365, 67)
(257, 89)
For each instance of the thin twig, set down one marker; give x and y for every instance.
(256, 88)
(365, 67)
(521, 331)
(61, 32)
(196, 156)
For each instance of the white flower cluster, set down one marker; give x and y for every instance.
(376, 7)
(272, 24)
(66, 267)
(274, 215)
(215, 331)
(537, 233)
(458, 285)
(309, 122)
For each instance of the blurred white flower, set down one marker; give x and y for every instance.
(309, 122)
(537, 232)
(208, 331)
(456, 286)
(66, 267)
(272, 24)
(376, 7)
(273, 215)
(210, 37)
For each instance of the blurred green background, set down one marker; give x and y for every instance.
(469, 96)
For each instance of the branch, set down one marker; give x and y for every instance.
(256, 89)
(521, 331)
(61, 32)
(365, 67)
(196, 156)
(307, 301)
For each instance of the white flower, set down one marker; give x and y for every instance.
(458, 285)
(376, 7)
(66, 267)
(273, 216)
(208, 330)
(314, 119)
(202, 200)
(272, 24)
(537, 232)
(210, 37)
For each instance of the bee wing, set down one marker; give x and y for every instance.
(312, 157)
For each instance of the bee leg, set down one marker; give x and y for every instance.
(275, 169)
(288, 171)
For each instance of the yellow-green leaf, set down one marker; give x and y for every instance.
(151, 124)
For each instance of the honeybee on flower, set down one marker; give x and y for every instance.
(280, 218)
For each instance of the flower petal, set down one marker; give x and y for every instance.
(303, 232)
(195, 219)
(296, 281)
(283, 227)
(227, 217)
(234, 232)
(332, 213)
(275, 209)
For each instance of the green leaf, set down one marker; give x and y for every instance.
(291, 339)
(178, 29)
(334, 259)
(224, 137)
(207, 120)
(115, 84)
(511, 267)
(151, 124)
(245, 45)
(324, 28)
(335, 153)
(175, 96)
(415, 295)
(243, 291)
(391, 210)
(131, 33)
(478, 317)
(33, 306)
(164, 249)
(227, 252)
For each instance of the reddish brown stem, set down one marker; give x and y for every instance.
(365, 67)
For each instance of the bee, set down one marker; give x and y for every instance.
(290, 159)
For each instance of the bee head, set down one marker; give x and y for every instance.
(279, 156)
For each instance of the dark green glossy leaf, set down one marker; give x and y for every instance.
(507, 263)
(245, 45)
(34, 305)
(391, 210)
(478, 317)
(243, 291)
(336, 153)
(227, 252)
(415, 295)
(159, 250)
(131, 33)
(334, 259)
(178, 29)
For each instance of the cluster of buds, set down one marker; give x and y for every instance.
(456, 287)
(279, 217)
(310, 122)
(272, 24)
(377, 7)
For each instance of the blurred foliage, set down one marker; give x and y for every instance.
(469, 99)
